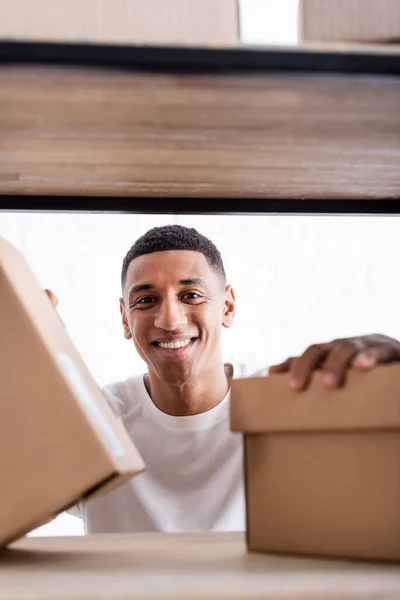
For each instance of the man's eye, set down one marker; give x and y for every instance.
(191, 296)
(145, 300)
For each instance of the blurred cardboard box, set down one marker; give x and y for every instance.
(60, 442)
(373, 21)
(322, 467)
(149, 22)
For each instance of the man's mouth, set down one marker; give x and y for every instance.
(175, 345)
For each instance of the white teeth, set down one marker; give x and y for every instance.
(174, 345)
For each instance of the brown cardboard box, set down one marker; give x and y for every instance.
(349, 20)
(59, 439)
(170, 22)
(323, 466)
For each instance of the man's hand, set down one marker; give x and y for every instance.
(52, 297)
(334, 358)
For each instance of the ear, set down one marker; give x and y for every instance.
(127, 331)
(229, 307)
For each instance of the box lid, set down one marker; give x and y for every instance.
(367, 401)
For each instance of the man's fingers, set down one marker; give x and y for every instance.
(52, 297)
(364, 361)
(337, 361)
(362, 352)
(368, 359)
(303, 366)
(283, 367)
(54, 300)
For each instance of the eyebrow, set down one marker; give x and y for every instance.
(195, 281)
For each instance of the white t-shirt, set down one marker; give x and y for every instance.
(194, 476)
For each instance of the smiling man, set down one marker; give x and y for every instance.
(175, 301)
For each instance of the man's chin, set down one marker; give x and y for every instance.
(175, 374)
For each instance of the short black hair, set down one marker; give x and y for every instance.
(174, 237)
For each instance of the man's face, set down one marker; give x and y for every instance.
(173, 307)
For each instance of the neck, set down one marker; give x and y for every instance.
(193, 397)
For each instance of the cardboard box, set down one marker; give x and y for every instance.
(372, 21)
(60, 442)
(150, 22)
(322, 466)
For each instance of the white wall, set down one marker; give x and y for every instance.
(269, 22)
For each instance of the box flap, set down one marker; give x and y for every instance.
(53, 336)
(367, 401)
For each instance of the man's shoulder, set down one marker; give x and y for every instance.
(123, 395)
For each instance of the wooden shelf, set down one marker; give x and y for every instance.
(254, 126)
(208, 565)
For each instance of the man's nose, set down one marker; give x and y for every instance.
(171, 315)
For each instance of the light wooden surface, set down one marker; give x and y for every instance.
(93, 132)
(151, 566)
